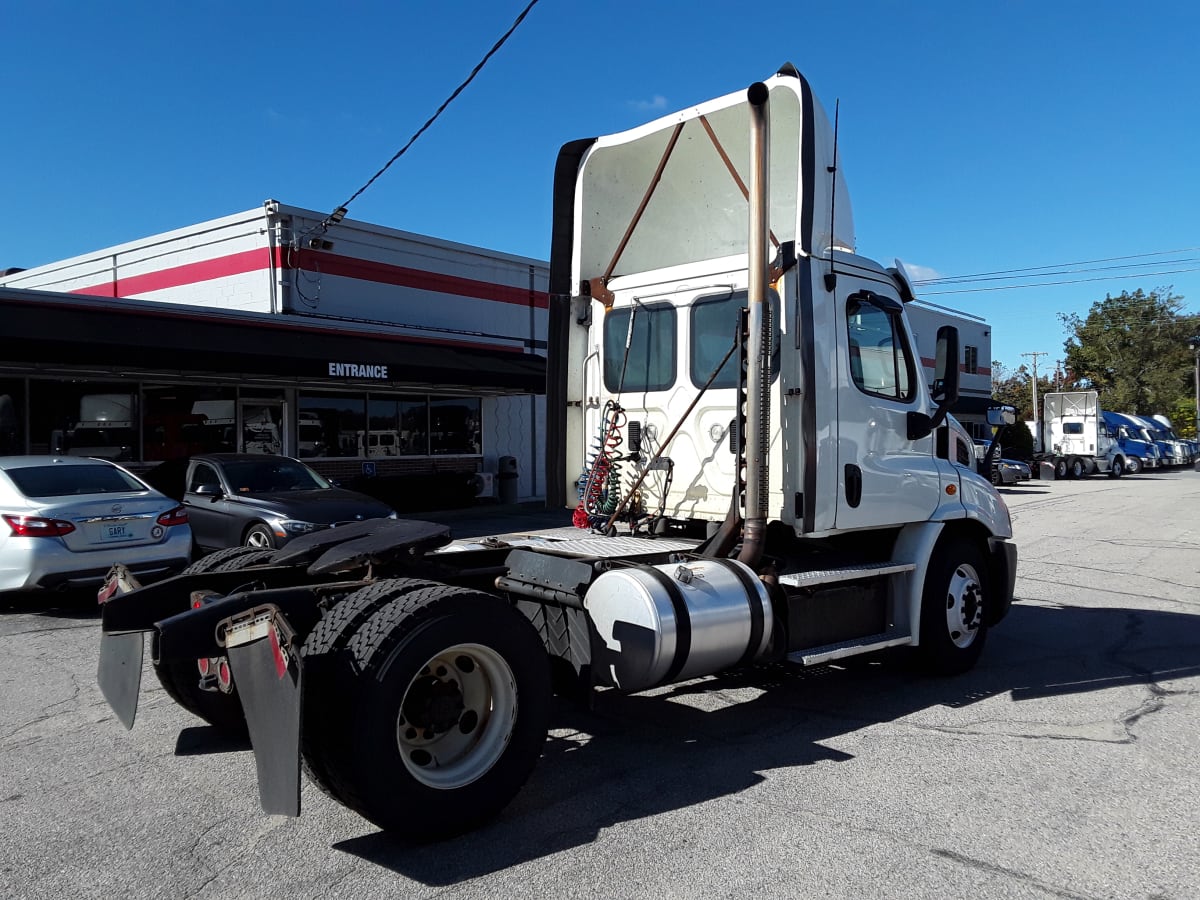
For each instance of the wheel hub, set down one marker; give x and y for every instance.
(434, 704)
(457, 716)
(964, 606)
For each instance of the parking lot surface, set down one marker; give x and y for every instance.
(1063, 766)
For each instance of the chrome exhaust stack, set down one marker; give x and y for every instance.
(758, 378)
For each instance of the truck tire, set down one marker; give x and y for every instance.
(260, 537)
(1133, 465)
(1060, 468)
(444, 706)
(1078, 469)
(1117, 469)
(953, 621)
(210, 562)
(326, 667)
(181, 679)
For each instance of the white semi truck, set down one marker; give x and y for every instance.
(1075, 438)
(760, 471)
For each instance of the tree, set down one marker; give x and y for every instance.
(1132, 348)
(1016, 389)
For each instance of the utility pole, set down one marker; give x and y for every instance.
(1037, 419)
(1194, 346)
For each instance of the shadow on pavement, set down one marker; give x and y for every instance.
(633, 757)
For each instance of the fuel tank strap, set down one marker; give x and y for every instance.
(754, 600)
(683, 622)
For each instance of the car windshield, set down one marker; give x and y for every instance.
(63, 481)
(266, 476)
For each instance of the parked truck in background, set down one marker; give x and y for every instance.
(759, 470)
(1075, 438)
(1140, 450)
(1185, 452)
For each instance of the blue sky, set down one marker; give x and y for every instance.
(975, 137)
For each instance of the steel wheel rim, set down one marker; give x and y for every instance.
(964, 606)
(457, 716)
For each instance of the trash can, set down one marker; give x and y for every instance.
(507, 478)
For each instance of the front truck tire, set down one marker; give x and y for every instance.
(953, 614)
(181, 678)
(433, 714)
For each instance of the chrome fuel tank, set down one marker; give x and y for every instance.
(671, 622)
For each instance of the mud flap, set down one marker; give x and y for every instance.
(267, 675)
(120, 673)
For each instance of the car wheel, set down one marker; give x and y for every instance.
(259, 537)
(1133, 465)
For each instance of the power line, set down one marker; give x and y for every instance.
(1017, 287)
(972, 279)
(1085, 262)
(340, 212)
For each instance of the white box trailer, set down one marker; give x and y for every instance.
(282, 259)
(294, 263)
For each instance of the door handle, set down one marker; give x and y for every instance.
(853, 485)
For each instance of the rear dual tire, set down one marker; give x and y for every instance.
(426, 706)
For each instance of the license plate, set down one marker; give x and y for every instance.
(115, 532)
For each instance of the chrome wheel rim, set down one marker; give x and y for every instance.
(457, 716)
(258, 541)
(964, 606)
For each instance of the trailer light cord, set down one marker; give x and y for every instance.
(340, 212)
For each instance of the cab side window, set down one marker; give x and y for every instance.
(881, 363)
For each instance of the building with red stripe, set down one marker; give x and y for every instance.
(370, 352)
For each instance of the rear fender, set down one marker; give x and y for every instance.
(139, 610)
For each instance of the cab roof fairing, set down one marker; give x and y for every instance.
(698, 210)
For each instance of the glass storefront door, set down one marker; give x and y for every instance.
(261, 426)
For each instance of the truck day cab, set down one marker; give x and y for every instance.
(759, 469)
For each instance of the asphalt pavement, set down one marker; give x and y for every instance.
(1063, 766)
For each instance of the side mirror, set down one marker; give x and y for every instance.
(1001, 415)
(945, 373)
(208, 490)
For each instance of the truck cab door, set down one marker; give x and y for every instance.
(883, 477)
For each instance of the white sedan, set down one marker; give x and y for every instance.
(65, 521)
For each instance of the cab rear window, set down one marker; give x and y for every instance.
(66, 481)
(640, 357)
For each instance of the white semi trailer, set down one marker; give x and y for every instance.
(760, 471)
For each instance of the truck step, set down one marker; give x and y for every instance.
(811, 656)
(851, 573)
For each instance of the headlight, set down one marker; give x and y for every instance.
(294, 527)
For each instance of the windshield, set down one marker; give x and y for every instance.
(266, 476)
(64, 481)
